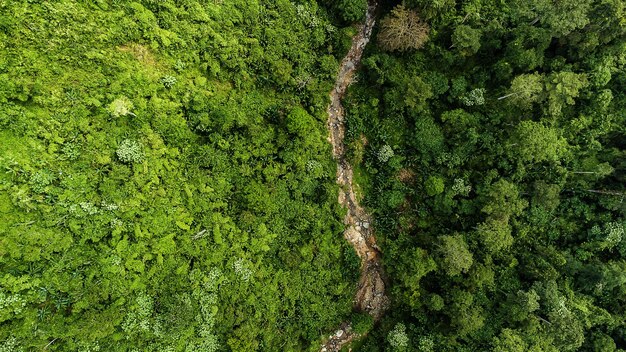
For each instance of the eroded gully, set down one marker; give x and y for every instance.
(370, 296)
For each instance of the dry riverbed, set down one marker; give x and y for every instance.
(370, 295)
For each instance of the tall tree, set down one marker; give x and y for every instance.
(535, 142)
(466, 39)
(402, 30)
(560, 17)
(525, 90)
(456, 257)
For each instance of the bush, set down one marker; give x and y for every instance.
(385, 153)
(362, 323)
(121, 106)
(168, 81)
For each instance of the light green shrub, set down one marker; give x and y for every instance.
(121, 106)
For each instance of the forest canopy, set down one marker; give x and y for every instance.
(501, 212)
(166, 181)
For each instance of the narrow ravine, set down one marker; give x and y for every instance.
(370, 296)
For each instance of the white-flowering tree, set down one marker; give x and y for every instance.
(398, 338)
(130, 151)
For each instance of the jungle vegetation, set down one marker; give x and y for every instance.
(166, 183)
(165, 179)
(494, 162)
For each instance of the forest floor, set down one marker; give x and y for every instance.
(370, 296)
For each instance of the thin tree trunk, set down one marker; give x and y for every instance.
(506, 96)
(544, 320)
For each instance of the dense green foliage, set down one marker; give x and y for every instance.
(165, 180)
(500, 209)
(166, 183)
(346, 10)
